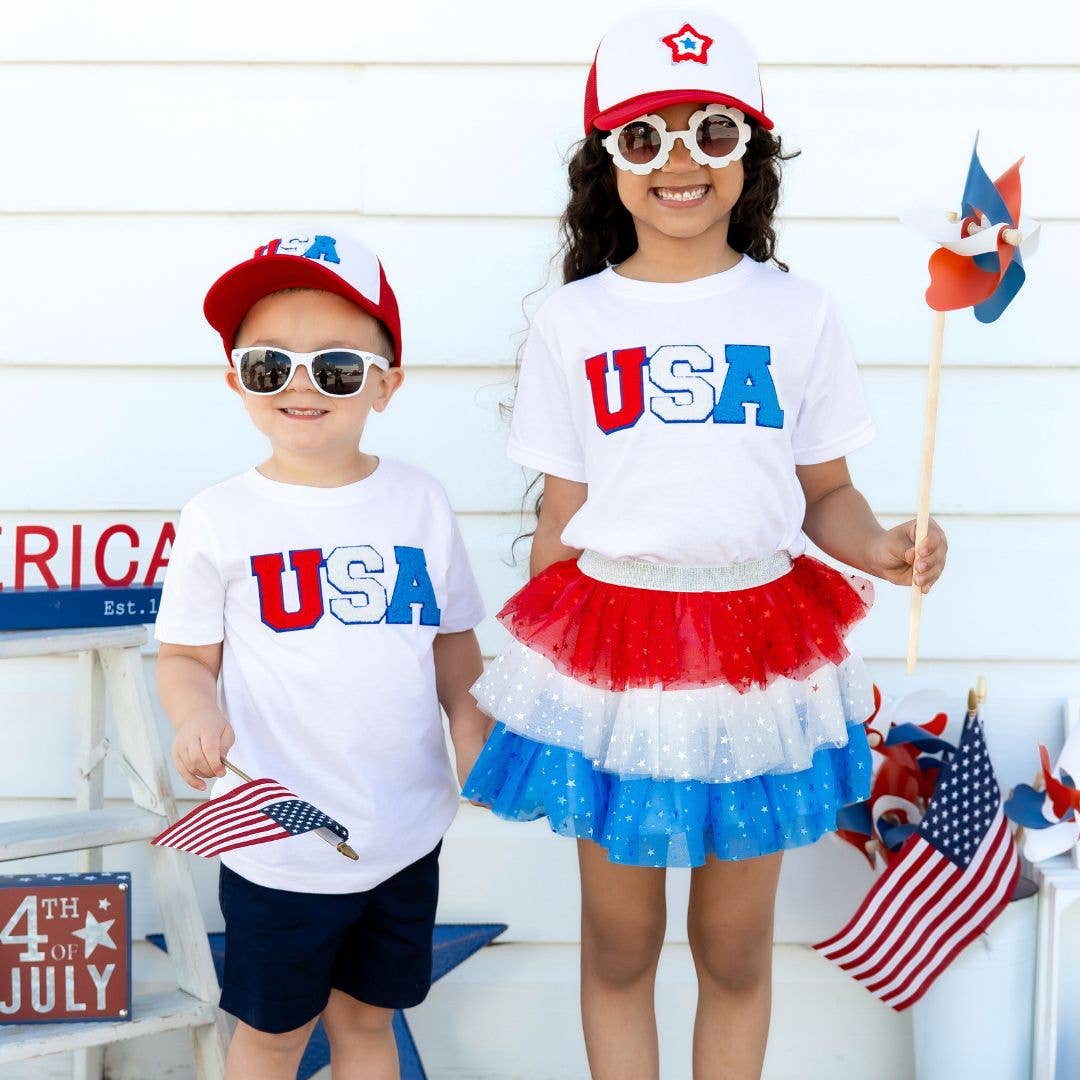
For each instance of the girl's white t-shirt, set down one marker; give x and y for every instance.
(685, 407)
(328, 601)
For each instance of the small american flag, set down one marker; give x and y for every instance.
(950, 881)
(254, 813)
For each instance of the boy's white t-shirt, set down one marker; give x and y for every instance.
(330, 690)
(730, 381)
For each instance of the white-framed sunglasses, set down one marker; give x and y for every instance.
(333, 372)
(716, 136)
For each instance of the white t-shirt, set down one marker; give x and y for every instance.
(685, 407)
(328, 601)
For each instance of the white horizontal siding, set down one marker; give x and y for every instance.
(147, 153)
(412, 140)
(873, 139)
(421, 31)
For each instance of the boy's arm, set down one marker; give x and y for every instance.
(562, 500)
(839, 520)
(458, 665)
(187, 686)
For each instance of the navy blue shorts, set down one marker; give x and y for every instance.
(285, 951)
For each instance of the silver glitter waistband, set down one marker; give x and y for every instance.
(643, 574)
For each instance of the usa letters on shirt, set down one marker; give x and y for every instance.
(684, 379)
(356, 587)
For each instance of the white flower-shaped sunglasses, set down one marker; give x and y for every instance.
(716, 136)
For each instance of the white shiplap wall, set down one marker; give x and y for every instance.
(141, 153)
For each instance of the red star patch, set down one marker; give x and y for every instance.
(688, 44)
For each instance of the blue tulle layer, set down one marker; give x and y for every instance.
(647, 822)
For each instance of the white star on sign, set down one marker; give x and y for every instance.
(95, 933)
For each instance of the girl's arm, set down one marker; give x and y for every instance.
(839, 520)
(457, 666)
(562, 500)
(187, 686)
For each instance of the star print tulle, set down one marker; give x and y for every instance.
(670, 725)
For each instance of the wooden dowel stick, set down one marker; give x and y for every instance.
(922, 517)
(232, 768)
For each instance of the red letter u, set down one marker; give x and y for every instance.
(629, 364)
(268, 569)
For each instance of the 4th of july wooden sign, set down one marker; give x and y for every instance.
(65, 947)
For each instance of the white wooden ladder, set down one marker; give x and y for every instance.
(111, 665)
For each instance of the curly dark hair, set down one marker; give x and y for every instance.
(598, 230)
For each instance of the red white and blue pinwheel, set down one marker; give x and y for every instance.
(908, 756)
(979, 263)
(1051, 817)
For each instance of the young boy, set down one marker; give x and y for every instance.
(332, 591)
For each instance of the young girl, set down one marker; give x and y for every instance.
(678, 692)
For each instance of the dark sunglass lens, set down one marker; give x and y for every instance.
(263, 371)
(717, 136)
(340, 373)
(639, 142)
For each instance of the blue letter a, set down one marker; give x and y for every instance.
(323, 248)
(413, 586)
(748, 382)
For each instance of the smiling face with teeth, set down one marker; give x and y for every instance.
(681, 211)
(315, 438)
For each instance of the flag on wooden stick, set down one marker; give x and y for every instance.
(952, 879)
(256, 812)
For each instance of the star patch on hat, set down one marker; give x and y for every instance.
(687, 44)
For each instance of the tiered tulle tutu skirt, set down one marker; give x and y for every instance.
(689, 717)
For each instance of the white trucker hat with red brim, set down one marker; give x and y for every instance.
(330, 260)
(667, 56)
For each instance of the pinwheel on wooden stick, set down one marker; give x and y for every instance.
(979, 263)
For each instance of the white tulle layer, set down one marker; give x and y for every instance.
(711, 733)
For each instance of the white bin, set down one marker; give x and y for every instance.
(976, 1020)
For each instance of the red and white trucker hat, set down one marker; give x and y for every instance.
(304, 259)
(665, 56)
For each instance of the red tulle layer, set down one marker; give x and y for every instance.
(616, 636)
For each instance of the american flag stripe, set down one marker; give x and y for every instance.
(236, 835)
(214, 814)
(246, 839)
(980, 908)
(221, 812)
(914, 904)
(220, 825)
(889, 890)
(211, 824)
(956, 907)
(950, 909)
(988, 913)
(933, 914)
(235, 800)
